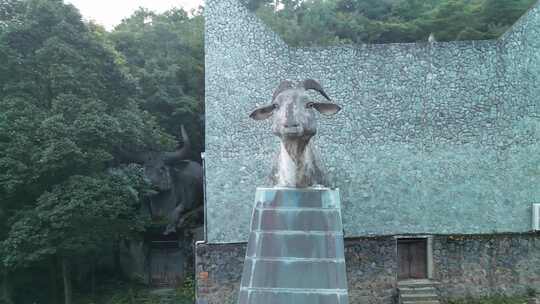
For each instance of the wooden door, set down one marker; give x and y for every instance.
(166, 267)
(412, 259)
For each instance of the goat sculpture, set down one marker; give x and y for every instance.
(294, 122)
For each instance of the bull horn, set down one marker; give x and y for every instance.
(284, 85)
(180, 154)
(310, 84)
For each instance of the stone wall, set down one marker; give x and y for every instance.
(371, 270)
(465, 266)
(486, 265)
(429, 134)
(218, 271)
(243, 62)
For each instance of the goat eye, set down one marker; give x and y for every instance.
(310, 105)
(275, 106)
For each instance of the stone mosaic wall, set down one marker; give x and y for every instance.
(478, 266)
(243, 62)
(218, 270)
(371, 270)
(465, 266)
(437, 138)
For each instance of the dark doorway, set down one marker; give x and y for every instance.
(166, 267)
(412, 259)
(165, 260)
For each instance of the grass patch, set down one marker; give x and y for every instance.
(491, 300)
(118, 292)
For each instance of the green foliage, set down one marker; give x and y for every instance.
(72, 96)
(325, 22)
(66, 105)
(490, 300)
(10, 13)
(77, 218)
(187, 291)
(165, 55)
(116, 292)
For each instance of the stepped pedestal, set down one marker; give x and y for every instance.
(295, 251)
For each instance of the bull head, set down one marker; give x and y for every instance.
(157, 164)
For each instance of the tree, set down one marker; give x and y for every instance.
(79, 217)
(10, 12)
(5, 293)
(503, 12)
(255, 4)
(67, 107)
(318, 22)
(165, 54)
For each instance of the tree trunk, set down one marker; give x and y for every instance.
(116, 254)
(5, 294)
(54, 282)
(66, 274)
(93, 278)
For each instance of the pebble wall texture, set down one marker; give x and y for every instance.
(371, 268)
(476, 266)
(464, 266)
(218, 268)
(439, 138)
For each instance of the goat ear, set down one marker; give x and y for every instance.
(326, 108)
(262, 113)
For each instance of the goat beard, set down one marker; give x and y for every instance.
(295, 164)
(296, 148)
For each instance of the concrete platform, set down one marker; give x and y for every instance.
(295, 251)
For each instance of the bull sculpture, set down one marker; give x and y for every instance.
(176, 183)
(294, 122)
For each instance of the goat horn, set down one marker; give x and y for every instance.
(182, 153)
(284, 85)
(310, 84)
